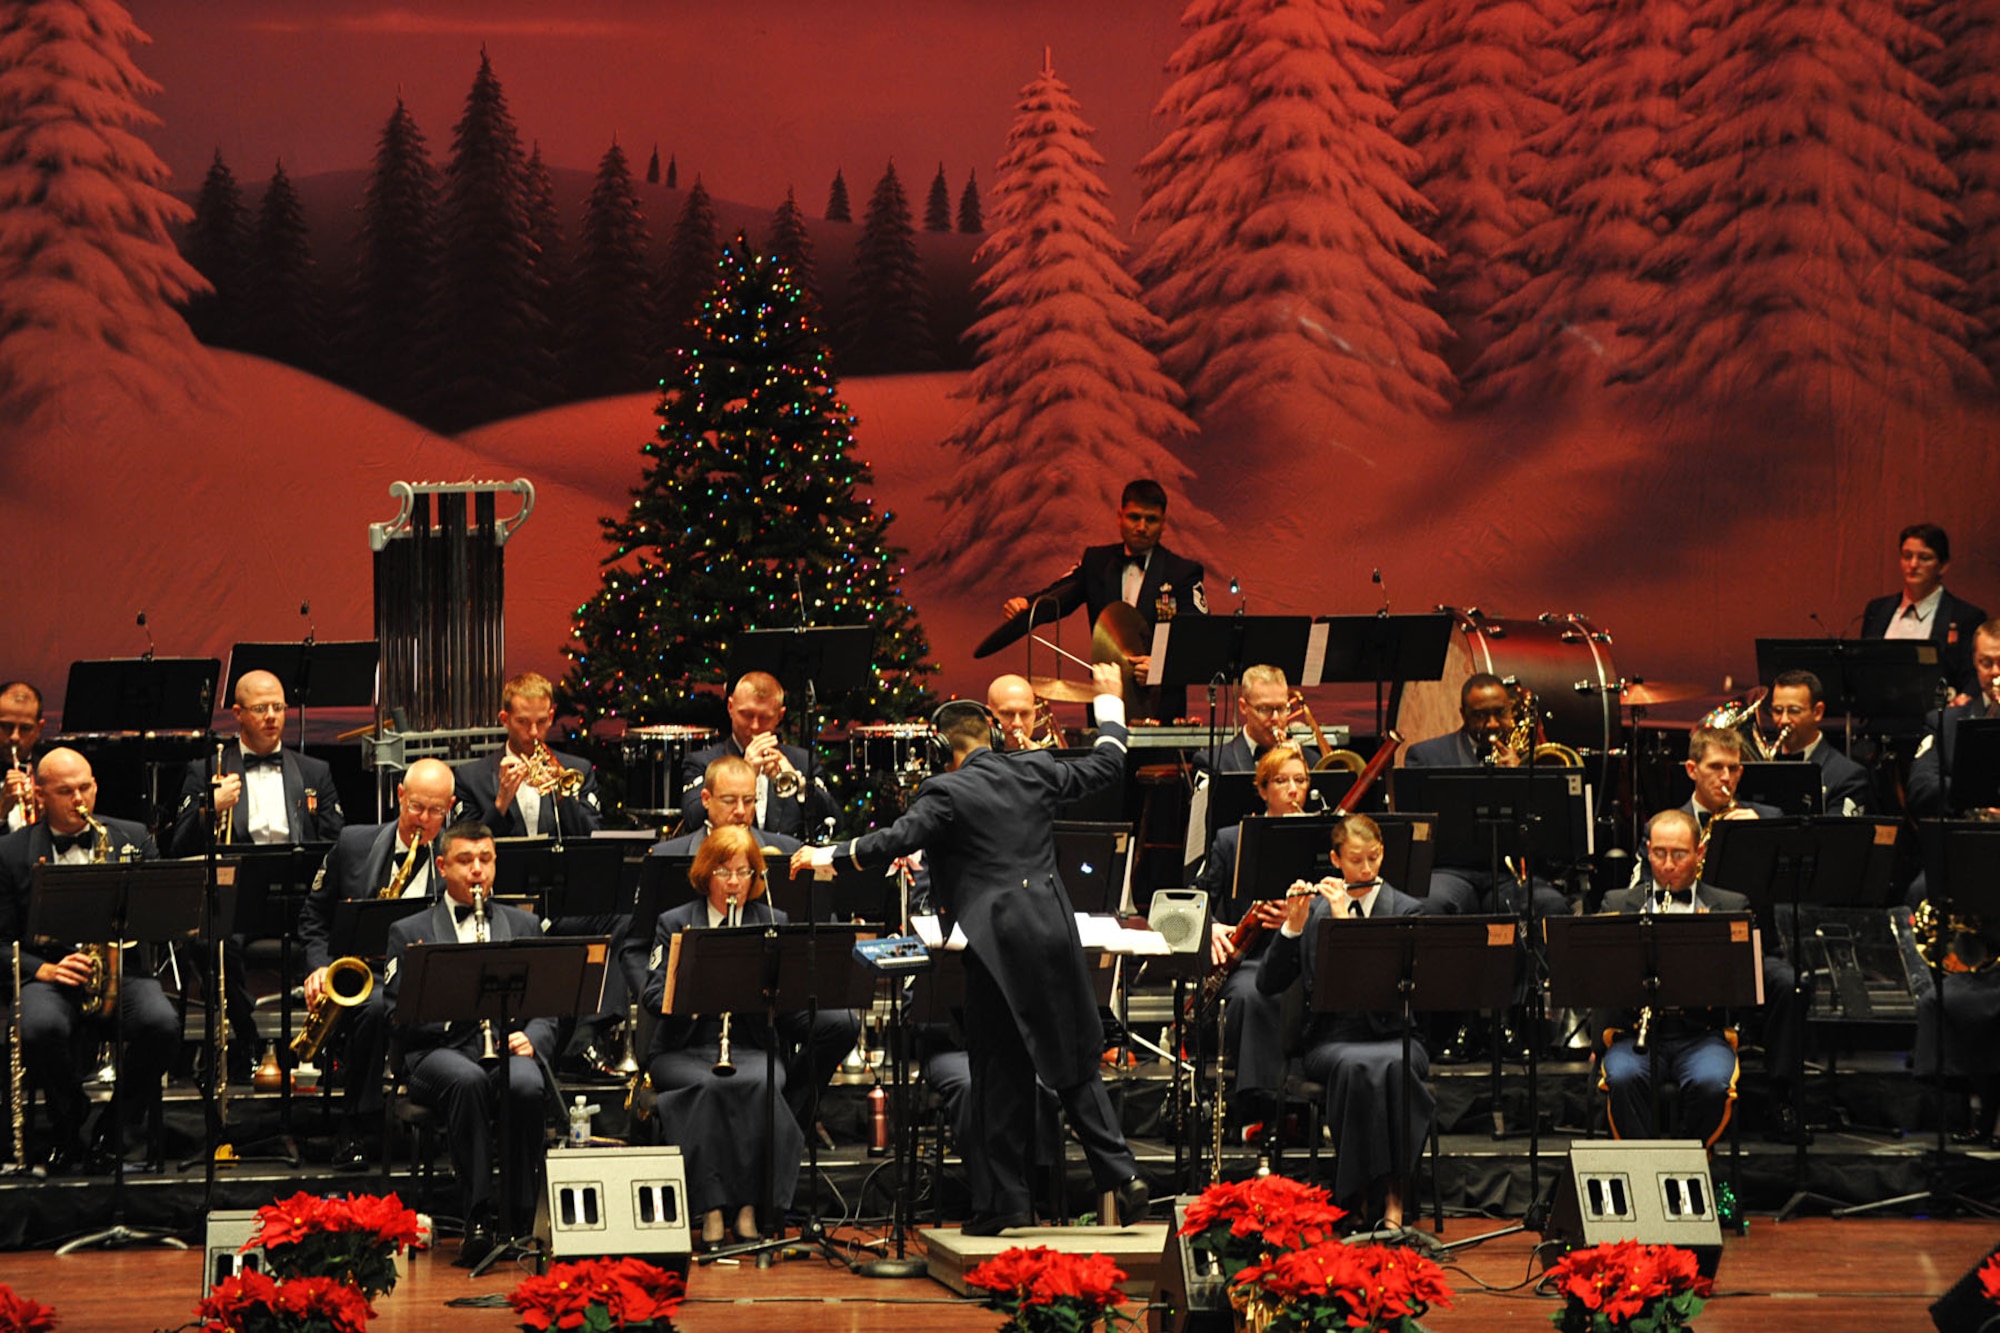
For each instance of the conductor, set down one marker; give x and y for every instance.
(987, 828)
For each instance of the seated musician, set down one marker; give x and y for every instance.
(729, 789)
(1357, 1057)
(1485, 737)
(53, 981)
(21, 724)
(1690, 1046)
(756, 711)
(1251, 1035)
(442, 1061)
(713, 1117)
(371, 861)
(1263, 714)
(1929, 790)
(1015, 709)
(519, 791)
(267, 795)
(1798, 701)
(1924, 610)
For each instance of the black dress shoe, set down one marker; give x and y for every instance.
(995, 1223)
(1785, 1126)
(1133, 1196)
(351, 1154)
(69, 1156)
(478, 1243)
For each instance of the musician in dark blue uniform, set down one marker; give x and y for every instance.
(365, 862)
(1136, 570)
(1693, 1049)
(21, 723)
(1357, 1057)
(1263, 716)
(1798, 701)
(1924, 610)
(712, 1117)
(441, 1061)
(756, 711)
(270, 795)
(495, 789)
(52, 982)
(986, 828)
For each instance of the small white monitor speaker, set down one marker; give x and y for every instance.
(1181, 917)
(618, 1201)
(1654, 1191)
(226, 1231)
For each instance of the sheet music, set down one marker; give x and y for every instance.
(1315, 655)
(931, 931)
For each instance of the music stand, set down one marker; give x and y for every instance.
(271, 882)
(1961, 877)
(1412, 964)
(153, 698)
(1872, 678)
(812, 662)
(838, 890)
(341, 674)
(1384, 649)
(1975, 765)
(1233, 797)
(1093, 860)
(148, 901)
(502, 983)
(772, 968)
(1793, 786)
(573, 877)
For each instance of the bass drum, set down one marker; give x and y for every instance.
(1564, 659)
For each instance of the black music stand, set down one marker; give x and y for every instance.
(150, 697)
(1870, 678)
(577, 877)
(1092, 858)
(841, 891)
(1412, 964)
(1961, 878)
(1387, 650)
(1274, 850)
(148, 901)
(502, 983)
(1975, 765)
(811, 661)
(773, 968)
(1630, 960)
(341, 674)
(1233, 797)
(1790, 785)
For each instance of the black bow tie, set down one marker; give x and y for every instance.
(463, 912)
(271, 760)
(1131, 560)
(1680, 898)
(67, 842)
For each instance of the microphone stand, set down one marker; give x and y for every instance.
(901, 1265)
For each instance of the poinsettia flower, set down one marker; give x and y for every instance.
(1989, 1279)
(18, 1314)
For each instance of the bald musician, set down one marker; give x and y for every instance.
(272, 795)
(21, 724)
(1012, 701)
(756, 711)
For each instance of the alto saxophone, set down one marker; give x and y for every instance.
(401, 879)
(100, 990)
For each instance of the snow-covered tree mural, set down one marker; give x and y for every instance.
(1068, 403)
(89, 277)
(1282, 252)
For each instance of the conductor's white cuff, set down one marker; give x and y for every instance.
(1109, 708)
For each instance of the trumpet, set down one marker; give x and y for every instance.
(546, 774)
(31, 808)
(348, 983)
(786, 781)
(724, 1067)
(225, 820)
(1043, 725)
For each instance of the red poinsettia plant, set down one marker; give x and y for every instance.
(1328, 1285)
(1242, 1222)
(597, 1295)
(253, 1302)
(1625, 1285)
(1989, 1279)
(1041, 1290)
(18, 1314)
(352, 1240)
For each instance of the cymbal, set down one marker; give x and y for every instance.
(1646, 693)
(1057, 690)
(1120, 635)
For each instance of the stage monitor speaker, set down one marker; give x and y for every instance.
(1654, 1191)
(226, 1231)
(619, 1201)
(1181, 916)
(1188, 1293)
(1964, 1308)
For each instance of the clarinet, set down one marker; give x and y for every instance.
(489, 1047)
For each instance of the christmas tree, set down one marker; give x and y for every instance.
(886, 323)
(1068, 403)
(283, 320)
(611, 292)
(217, 243)
(1968, 51)
(791, 245)
(395, 265)
(937, 205)
(746, 517)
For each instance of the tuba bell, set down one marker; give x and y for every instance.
(1952, 942)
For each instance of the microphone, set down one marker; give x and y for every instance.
(1375, 577)
(306, 610)
(146, 656)
(1236, 591)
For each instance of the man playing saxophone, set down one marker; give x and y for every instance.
(366, 861)
(53, 989)
(791, 798)
(442, 1061)
(20, 732)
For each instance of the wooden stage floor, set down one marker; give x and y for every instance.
(1817, 1274)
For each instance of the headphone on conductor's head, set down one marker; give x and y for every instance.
(953, 711)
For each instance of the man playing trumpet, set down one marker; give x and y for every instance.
(20, 732)
(520, 789)
(791, 799)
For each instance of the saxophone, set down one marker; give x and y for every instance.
(401, 879)
(100, 991)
